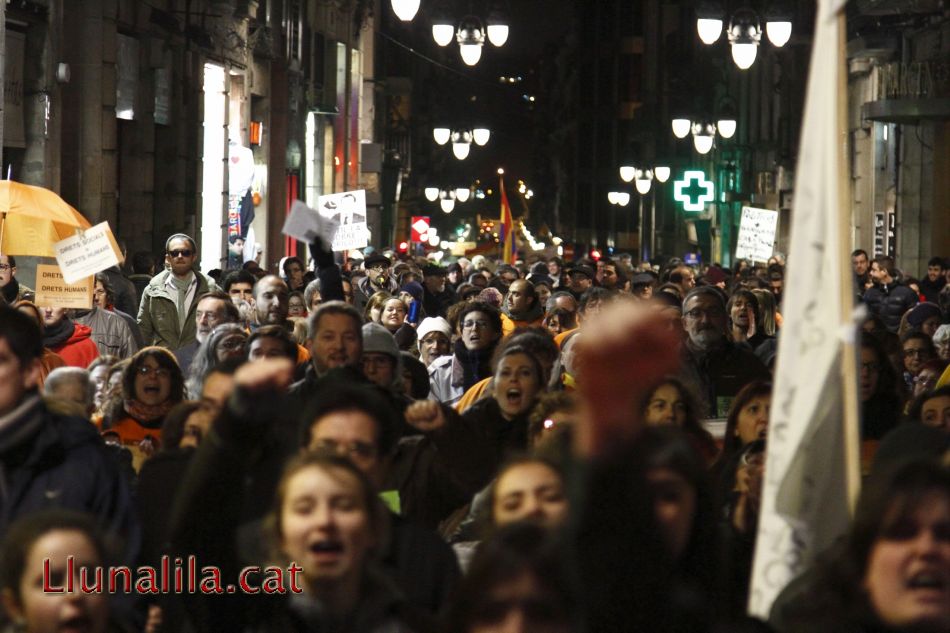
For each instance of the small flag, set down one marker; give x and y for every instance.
(506, 234)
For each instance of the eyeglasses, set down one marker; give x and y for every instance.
(161, 372)
(919, 352)
(181, 253)
(5, 267)
(353, 449)
(98, 292)
(471, 325)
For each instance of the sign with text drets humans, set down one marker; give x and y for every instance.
(756, 234)
(53, 290)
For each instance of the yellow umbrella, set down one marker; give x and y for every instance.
(32, 219)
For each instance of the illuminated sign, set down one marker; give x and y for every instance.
(694, 191)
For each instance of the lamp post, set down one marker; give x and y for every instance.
(471, 32)
(744, 31)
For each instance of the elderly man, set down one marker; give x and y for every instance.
(71, 391)
(715, 367)
(214, 308)
(169, 302)
(12, 289)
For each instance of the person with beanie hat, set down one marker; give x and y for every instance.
(925, 317)
(381, 361)
(434, 339)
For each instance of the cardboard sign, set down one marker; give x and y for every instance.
(348, 209)
(87, 253)
(53, 290)
(756, 234)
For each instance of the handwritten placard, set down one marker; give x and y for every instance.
(53, 290)
(87, 253)
(756, 234)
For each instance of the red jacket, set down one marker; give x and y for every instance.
(79, 349)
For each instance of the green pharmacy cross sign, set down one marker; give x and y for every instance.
(694, 191)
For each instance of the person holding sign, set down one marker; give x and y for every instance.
(167, 312)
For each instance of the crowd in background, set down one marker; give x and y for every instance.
(539, 446)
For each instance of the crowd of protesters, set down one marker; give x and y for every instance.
(542, 446)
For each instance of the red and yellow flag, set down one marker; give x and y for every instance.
(506, 234)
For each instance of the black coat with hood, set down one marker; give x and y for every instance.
(890, 302)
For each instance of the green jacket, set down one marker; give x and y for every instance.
(158, 313)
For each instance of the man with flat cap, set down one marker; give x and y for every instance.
(436, 297)
(378, 277)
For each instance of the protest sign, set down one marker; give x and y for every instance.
(53, 290)
(348, 210)
(87, 253)
(306, 224)
(756, 234)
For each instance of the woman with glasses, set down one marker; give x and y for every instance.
(917, 349)
(228, 341)
(151, 385)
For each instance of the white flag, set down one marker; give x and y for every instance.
(804, 497)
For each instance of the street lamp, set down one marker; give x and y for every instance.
(470, 37)
(441, 135)
(681, 127)
(461, 143)
(744, 31)
(447, 200)
(662, 173)
(703, 135)
(431, 193)
(471, 33)
(462, 194)
(481, 135)
(405, 10)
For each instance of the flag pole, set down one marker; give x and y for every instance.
(849, 378)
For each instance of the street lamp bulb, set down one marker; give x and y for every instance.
(461, 150)
(462, 194)
(443, 34)
(447, 204)
(778, 32)
(662, 174)
(432, 193)
(405, 10)
(441, 135)
(497, 34)
(702, 143)
(612, 196)
(743, 54)
(623, 198)
(481, 135)
(681, 127)
(726, 127)
(644, 183)
(709, 30)
(501, 171)
(627, 172)
(471, 53)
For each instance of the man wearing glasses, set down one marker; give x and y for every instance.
(12, 289)
(377, 267)
(167, 312)
(715, 367)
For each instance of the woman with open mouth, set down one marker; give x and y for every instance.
(323, 531)
(151, 385)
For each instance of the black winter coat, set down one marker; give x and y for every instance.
(890, 303)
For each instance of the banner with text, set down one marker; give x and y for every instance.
(54, 291)
(756, 234)
(87, 253)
